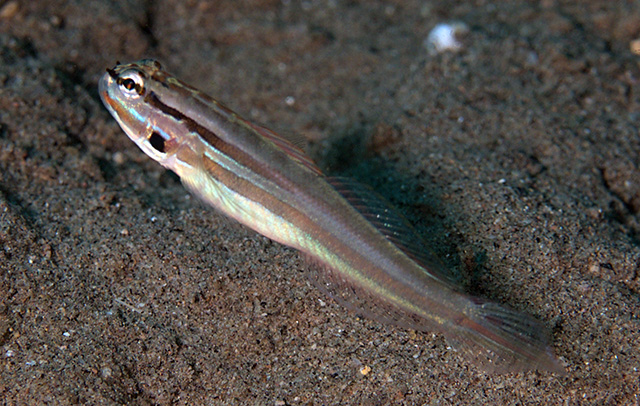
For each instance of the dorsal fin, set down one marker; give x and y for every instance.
(285, 145)
(393, 225)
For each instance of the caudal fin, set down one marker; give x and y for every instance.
(503, 340)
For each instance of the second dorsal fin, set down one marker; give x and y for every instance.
(393, 225)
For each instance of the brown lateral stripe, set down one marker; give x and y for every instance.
(273, 204)
(208, 135)
(280, 142)
(236, 154)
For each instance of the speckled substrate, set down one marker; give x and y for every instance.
(517, 158)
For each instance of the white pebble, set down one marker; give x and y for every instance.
(443, 37)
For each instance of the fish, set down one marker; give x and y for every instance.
(361, 251)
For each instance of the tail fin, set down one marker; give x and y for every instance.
(503, 340)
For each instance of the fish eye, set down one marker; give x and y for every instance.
(131, 84)
(128, 84)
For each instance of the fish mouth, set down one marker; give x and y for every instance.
(104, 84)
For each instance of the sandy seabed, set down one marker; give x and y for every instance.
(517, 158)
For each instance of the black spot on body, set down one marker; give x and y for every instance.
(157, 141)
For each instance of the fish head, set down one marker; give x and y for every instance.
(127, 91)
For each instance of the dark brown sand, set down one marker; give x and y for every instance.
(517, 159)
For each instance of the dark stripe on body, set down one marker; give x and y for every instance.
(235, 153)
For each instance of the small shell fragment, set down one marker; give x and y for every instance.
(635, 46)
(444, 37)
(10, 9)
